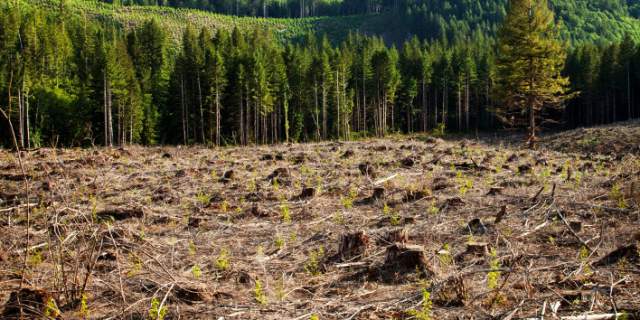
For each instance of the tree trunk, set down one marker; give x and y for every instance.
(28, 129)
(104, 109)
(202, 136)
(183, 111)
(338, 103)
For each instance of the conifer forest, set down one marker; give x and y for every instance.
(320, 159)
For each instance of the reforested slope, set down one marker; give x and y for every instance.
(581, 21)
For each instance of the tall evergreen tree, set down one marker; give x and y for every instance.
(530, 59)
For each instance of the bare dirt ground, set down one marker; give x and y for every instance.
(354, 230)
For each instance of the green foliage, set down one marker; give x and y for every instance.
(617, 195)
(493, 277)
(196, 271)
(426, 307)
(84, 306)
(167, 78)
(258, 293)
(285, 213)
(583, 255)
(223, 262)
(530, 61)
(312, 266)
(51, 310)
(157, 312)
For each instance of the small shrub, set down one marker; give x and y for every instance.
(84, 306)
(51, 310)
(192, 248)
(617, 196)
(284, 211)
(444, 256)
(433, 208)
(259, 294)
(156, 312)
(583, 255)
(222, 261)
(279, 242)
(203, 199)
(312, 266)
(493, 277)
(395, 219)
(338, 218)
(426, 307)
(196, 271)
(439, 130)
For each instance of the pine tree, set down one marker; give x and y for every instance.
(530, 59)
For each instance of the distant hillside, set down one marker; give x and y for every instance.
(582, 21)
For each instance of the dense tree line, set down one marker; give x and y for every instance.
(67, 80)
(582, 21)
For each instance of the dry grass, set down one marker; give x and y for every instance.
(138, 227)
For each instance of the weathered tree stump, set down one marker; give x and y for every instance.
(353, 245)
(306, 193)
(348, 154)
(378, 194)
(408, 162)
(476, 227)
(227, 176)
(26, 304)
(406, 258)
(477, 248)
(451, 293)
(397, 236)
(367, 169)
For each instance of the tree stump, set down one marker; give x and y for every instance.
(367, 169)
(25, 304)
(406, 258)
(397, 236)
(306, 193)
(378, 194)
(353, 245)
(227, 176)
